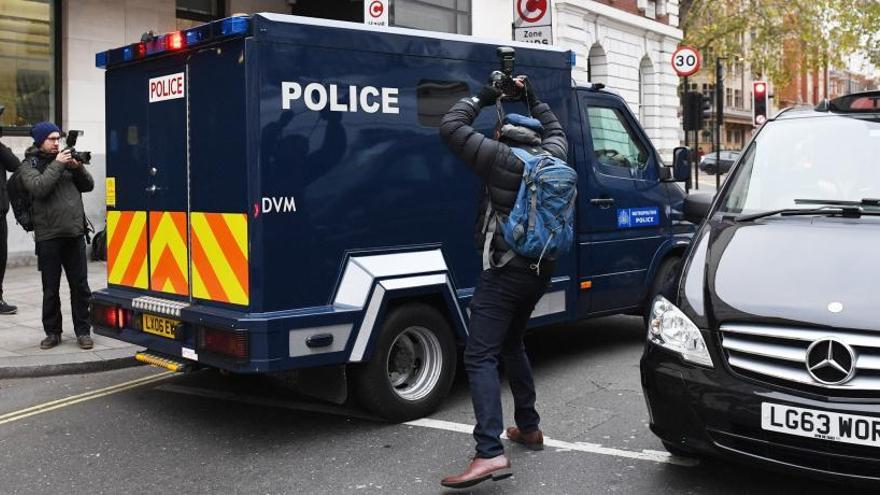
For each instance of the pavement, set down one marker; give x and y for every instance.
(21, 333)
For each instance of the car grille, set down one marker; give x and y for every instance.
(778, 355)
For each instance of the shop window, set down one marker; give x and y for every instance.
(192, 13)
(29, 81)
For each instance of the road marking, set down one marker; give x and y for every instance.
(76, 399)
(591, 448)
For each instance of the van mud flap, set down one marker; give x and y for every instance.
(327, 383)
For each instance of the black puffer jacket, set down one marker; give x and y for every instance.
(493, 161)
(10, 163)
(57, 191)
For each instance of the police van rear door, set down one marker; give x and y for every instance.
(146, 167)
(177, 224)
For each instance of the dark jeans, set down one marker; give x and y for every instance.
(500, 309)
(4, 234)
(68, 253)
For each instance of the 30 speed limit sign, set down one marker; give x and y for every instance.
(686, 61)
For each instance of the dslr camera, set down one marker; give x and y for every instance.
(84, 157)
(503, 79)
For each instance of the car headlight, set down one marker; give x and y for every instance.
(670, 328)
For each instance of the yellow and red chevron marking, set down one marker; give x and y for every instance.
(127, 248)
(168, 256)
(220, 257)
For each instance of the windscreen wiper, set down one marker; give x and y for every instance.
(843, 202)
(846, 211)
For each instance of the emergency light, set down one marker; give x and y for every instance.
(174, 41)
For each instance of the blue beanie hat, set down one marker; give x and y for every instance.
(41, 131)
(523, 121)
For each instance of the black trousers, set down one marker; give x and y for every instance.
(68, 253)
(500, 310)
(4, 234)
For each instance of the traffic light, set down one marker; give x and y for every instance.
(692, 118)
(759, 102)
(706, 109)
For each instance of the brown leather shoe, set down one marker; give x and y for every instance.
(479, 470)
(85, 342)
(533, 440)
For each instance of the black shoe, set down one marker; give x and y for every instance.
(7, 309)
(50, 341)
(85, 342)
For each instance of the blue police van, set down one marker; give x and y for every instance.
(279, 200)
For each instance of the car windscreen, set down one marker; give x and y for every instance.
(830, 158)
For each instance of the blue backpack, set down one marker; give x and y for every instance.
(541, 223)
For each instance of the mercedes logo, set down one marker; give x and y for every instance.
(831, 362)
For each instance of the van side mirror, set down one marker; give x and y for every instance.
(681, 167)
(697, 206)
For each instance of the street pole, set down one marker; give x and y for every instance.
(719, 116)
(687, 184)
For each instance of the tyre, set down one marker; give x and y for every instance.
(664, 283)
(412, 367)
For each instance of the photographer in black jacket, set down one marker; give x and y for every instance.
(10, 163)
(505, 295)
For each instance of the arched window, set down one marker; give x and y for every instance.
(648, 94)
(597, 65)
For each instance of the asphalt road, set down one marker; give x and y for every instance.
(144, 430)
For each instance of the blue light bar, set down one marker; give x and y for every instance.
(573, 60)
(175, 41)
(233, 25)
(193, 36)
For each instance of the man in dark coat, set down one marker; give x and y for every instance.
(505, 295)
(56, 181)
(10, 163)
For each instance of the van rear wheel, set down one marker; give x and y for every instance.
(412, 366)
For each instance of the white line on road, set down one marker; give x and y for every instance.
(591, 448)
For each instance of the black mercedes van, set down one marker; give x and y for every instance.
(768, 348)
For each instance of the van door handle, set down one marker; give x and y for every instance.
(602, 202)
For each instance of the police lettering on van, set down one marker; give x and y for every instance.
(317, 96)
(167, 87)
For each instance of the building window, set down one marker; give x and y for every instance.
(29, 80)
(738, 98)
(192, 13)
(728, 94)
(449, 16)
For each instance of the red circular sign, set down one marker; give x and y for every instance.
(686, 61)
(376, 8)
(531, 10)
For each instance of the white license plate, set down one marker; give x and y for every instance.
(825, 425)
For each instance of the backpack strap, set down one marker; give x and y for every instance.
(490, 226)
